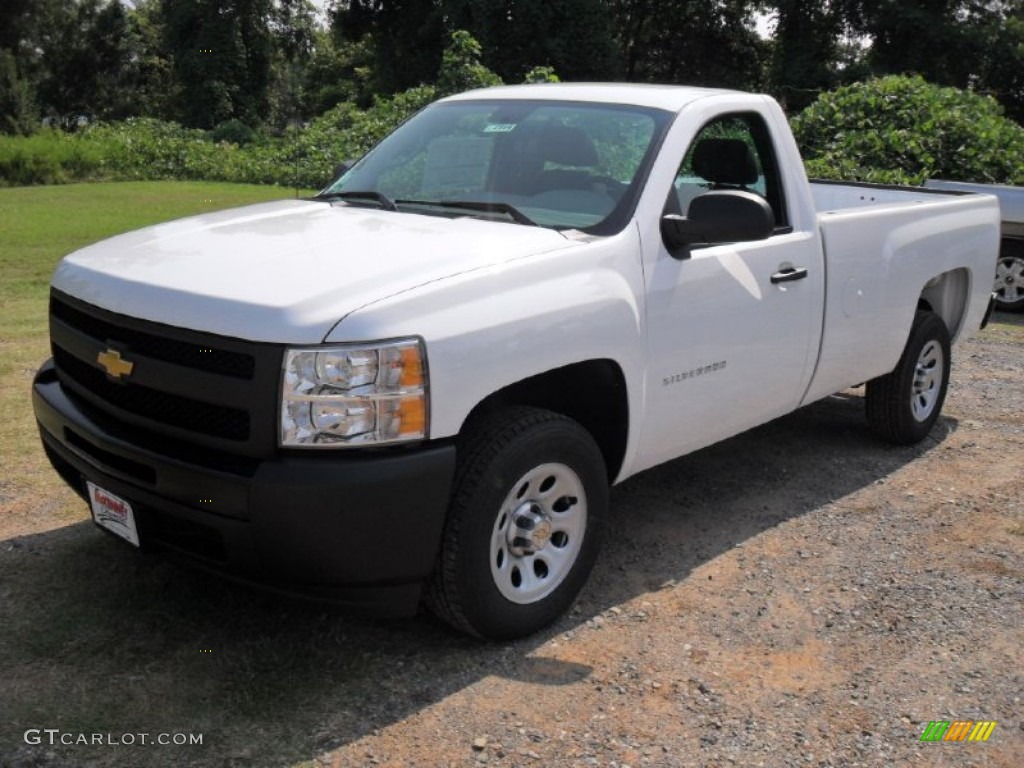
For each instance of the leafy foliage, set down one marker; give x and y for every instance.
(17, 110)
(901, 129)
(150, 149)
(223, 53)
(273, 63)
(86, 67)
(147, 148)
(542, 75)
(896, 129)
(461, 69)
(806, 51)
(49, 156)
(233, 131)
(406, 37)
(975, 44)
(707, 42)
(574, 37)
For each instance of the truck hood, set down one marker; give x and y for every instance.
(286, 271)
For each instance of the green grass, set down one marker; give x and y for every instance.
(40, 225)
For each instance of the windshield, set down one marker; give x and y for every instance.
(564, 165)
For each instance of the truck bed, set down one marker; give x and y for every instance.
(879, 241)
(833, 197)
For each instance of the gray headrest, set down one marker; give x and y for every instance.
(725, 161)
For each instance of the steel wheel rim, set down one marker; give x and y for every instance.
(1010, 280)
(538, 533)
(928, 373)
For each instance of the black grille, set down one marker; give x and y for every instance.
(198, 396)
(173, 410)
(221, 361)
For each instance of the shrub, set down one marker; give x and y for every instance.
(903, 130)
(233, 131)
(307, 157)
(541, 75)
(49, 156)
(145, 148)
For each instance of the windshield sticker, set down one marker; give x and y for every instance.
(500, 128)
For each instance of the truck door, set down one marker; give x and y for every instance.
(732, 329)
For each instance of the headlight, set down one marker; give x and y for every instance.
(334, 396)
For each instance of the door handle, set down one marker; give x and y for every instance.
(789, 274)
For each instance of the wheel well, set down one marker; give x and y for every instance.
(946, 296)
(592, 393)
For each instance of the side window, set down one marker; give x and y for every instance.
(731, 152)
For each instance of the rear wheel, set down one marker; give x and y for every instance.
(1009, 285)
(524, 526)
(903, 406)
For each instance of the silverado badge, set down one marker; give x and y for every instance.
(112, 363)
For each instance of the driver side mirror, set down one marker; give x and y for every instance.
(721, 216)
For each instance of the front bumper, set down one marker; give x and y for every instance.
(359, 528)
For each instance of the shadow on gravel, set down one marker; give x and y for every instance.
(1009, 318)
(96, 639)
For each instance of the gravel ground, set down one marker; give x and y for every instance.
(801, 595)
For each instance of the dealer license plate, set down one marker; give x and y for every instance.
(113, 513)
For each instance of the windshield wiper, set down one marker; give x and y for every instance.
(476, 205)
(381, 199)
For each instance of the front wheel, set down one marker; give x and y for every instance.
(524, 525)
(903, 406)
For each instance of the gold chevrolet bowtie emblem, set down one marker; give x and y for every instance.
(112, 363)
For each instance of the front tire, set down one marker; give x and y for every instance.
(903, 406)
(524, 525)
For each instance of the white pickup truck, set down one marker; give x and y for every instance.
(421, 382)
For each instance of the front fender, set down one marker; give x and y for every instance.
(493, 327)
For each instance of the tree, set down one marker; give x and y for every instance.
(1003, 72)
(699, 42)
(963, 43)
(574, 37)
(17, 22)
(805, 50)
(85, 53)
(293, 29)
(927, 37)
(461, 69)
(337, 71)
(114, 44)
(17, 108)
(222, 52)
(155, 91)
(406, 36)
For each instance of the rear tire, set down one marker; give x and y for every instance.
(1009, 285)
(903, 406)
(524, 525)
